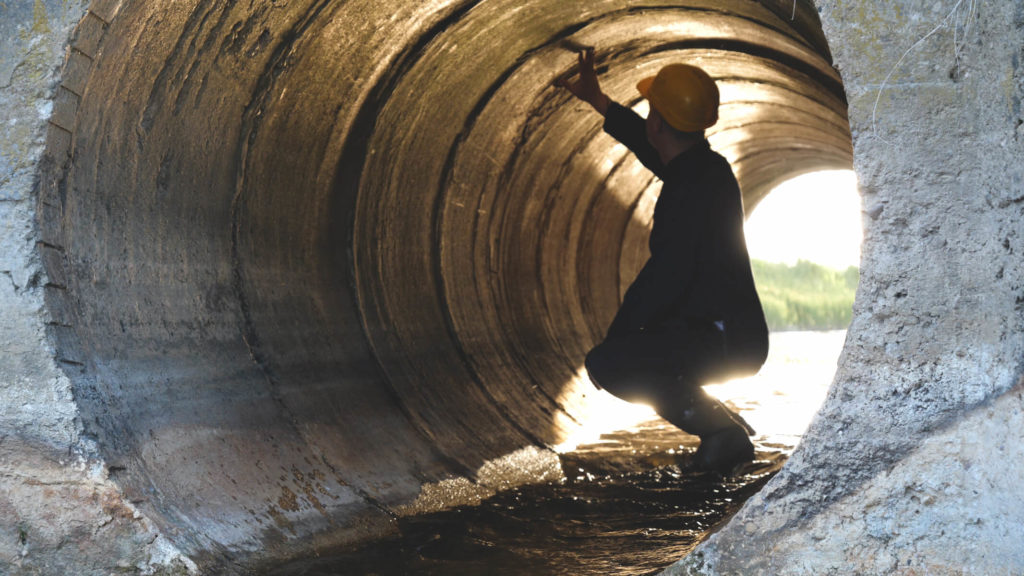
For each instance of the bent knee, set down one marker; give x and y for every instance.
(595, 365)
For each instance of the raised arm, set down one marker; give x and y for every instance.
(630, 128)
(621, 123)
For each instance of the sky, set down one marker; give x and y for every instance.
(815, 217)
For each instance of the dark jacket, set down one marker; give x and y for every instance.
(699, 269)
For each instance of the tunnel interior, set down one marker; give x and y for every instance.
(320, 254)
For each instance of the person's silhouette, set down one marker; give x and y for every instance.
(692, 315)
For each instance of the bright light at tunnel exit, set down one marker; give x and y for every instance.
(813, 217)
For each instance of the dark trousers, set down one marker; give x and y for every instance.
(665, 368)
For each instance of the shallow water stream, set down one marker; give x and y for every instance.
(626, 505)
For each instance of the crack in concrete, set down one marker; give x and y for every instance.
(10, 277)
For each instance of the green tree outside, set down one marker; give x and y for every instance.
(805, 296)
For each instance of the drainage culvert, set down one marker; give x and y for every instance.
(310, 257)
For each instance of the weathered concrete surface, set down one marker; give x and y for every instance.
(59, 513)
(913, 464)
(295, 296)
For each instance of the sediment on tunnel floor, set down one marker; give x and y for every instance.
(307, 258)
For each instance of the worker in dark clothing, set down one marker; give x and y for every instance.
(692, 316)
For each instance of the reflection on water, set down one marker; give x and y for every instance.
(627, 504)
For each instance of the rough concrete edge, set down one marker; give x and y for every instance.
(81, 471)
(702, 561)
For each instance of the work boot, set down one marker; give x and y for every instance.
(723, 433)
(724, 450)
(735, 417)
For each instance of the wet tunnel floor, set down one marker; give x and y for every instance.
(625, 506)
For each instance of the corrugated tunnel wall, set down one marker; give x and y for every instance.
(309, 262)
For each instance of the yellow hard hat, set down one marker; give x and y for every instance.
(684, 95)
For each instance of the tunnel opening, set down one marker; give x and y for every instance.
(314, 257)
(804, 241)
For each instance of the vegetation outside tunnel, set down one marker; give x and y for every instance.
(805, 296)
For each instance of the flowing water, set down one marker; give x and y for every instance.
(627, 505)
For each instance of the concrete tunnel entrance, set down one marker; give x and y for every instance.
(309, 257)
(273, 274)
